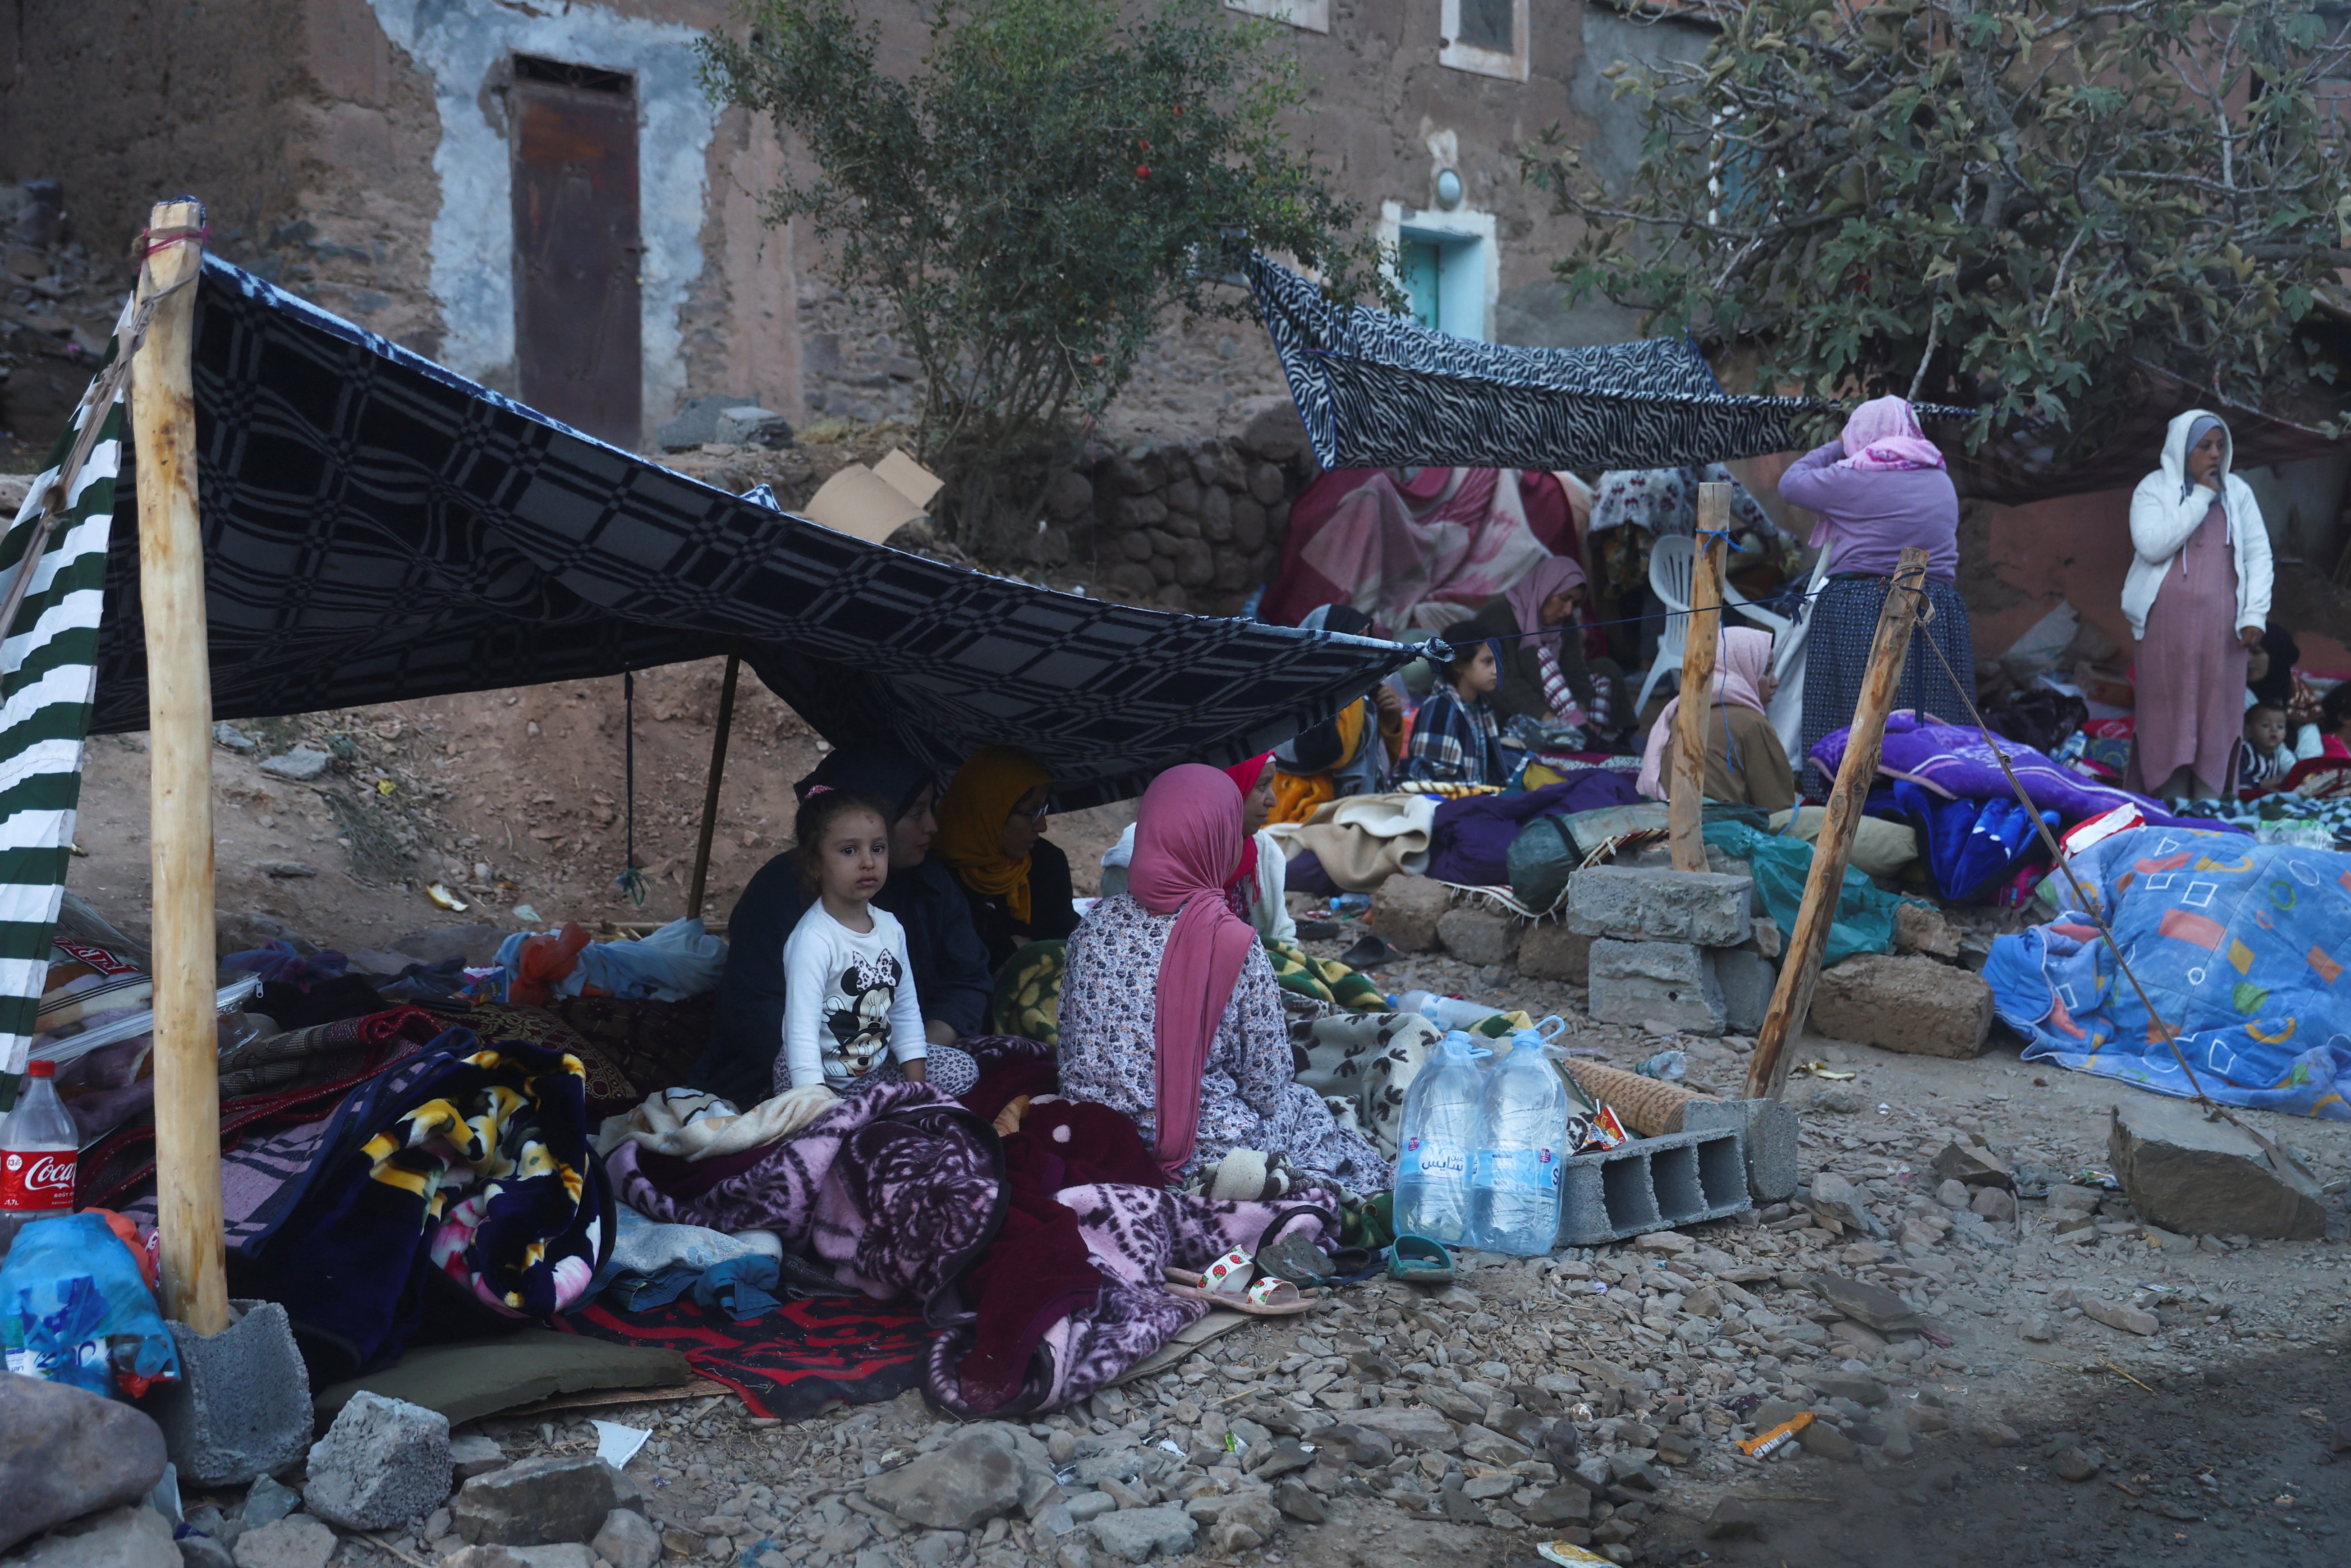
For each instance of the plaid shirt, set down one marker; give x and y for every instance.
(1454, 742)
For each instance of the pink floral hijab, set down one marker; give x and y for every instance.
(1882, 436)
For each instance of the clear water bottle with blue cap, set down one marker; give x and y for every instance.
(1521, 1137)
(1438, 1145)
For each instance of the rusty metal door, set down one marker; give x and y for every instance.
(579, 349)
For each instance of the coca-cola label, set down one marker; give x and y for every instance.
(98, 959)
(37, 1180)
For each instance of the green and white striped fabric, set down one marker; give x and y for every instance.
(48, 669)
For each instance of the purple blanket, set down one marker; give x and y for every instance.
(1470, 842)
(1956, 763)
(897, 1189)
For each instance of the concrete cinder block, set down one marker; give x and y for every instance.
(1747, 979)
(1709, 909)
(1652, 1184)
(1668, 983)
(242, 1406)
(1768, 1130)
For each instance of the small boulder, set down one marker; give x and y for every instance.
(627, 1540)
(297, 1540)
(115, 1538)
(1296, 1499)
(475, 1456)
(1923, 930)
(2074, 1464)
(1733, 1519)
(1994, 1203)
(65, 1452)
(1132, 1535)
(1822, 1438)
(960, 1487)
(540, 1502)
(566, 1554)
(1973, 1164)
(2208, 1178)
(1911, 1004)
(383, 1462)
(1478, 936)
(1551, 951)
(1406, 910)
(301, 765)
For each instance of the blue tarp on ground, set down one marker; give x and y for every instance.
(2241, 946)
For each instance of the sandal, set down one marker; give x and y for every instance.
(1269, 1298)
(1293, 1258)
(1417, 1260)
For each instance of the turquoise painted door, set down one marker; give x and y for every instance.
(1417, 261)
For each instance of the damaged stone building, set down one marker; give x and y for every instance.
(539, 195)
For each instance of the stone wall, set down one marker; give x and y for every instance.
(1185, 524)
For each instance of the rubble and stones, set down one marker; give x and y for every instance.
(1905, 1004)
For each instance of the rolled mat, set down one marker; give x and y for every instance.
(1645, 1106)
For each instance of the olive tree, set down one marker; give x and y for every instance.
(1988, 202)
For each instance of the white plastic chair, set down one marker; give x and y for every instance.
(1673, 565)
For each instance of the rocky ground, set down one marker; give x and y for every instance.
(2078, 1387)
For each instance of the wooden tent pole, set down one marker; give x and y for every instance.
(1701, 631)
(710, 791)
(1767, 1070)
(179, 727)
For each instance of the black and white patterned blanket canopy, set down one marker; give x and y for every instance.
(1379, 390)
(377, 527)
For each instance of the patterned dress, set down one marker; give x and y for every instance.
(1108, 1055)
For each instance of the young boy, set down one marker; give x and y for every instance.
(2262, 760)
(1456, 739)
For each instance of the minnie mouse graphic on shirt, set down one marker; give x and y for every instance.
(857, 1011)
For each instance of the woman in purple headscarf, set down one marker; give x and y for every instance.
(1879, 488)
(1545, 676)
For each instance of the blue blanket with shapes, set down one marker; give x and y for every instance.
(2241, 946)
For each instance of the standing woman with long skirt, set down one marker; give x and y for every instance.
(2197, 598)
(1879, 488)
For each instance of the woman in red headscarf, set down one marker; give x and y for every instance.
(1169, 1008)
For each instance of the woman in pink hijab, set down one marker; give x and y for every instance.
(1881, 487)
(1170, 1009)
(1545, 676)
(1745, 762)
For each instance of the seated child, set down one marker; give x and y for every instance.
(851, 1020)
(1456, 739)
(2263, 759)
(2334, 722)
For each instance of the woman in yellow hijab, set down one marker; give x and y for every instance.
(991, 827)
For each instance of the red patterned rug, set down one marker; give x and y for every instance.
(787, 1364)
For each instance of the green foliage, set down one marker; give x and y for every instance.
(1040, 197)
(1994, 201)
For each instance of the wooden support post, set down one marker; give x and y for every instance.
(179, 727)
(1701, 634)
(710, 791)
(1767, 1070)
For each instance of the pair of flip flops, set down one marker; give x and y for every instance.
(1233, 1282)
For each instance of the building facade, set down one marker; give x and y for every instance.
(540, 193)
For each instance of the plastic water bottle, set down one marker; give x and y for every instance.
(1521, 1134)
(37, 1145)
(1439, 1142)
(1445, 1012)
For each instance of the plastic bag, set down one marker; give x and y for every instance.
(1864, 916)
(75, 1309)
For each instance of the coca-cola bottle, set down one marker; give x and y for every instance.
(37, 1154)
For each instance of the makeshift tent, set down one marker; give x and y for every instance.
(1378, 390)
(377, 527)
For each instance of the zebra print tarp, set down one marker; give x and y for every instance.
(1378, 390)
(46, 664)
(378, 527)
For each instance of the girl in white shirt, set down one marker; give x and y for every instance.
(850, 1018)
